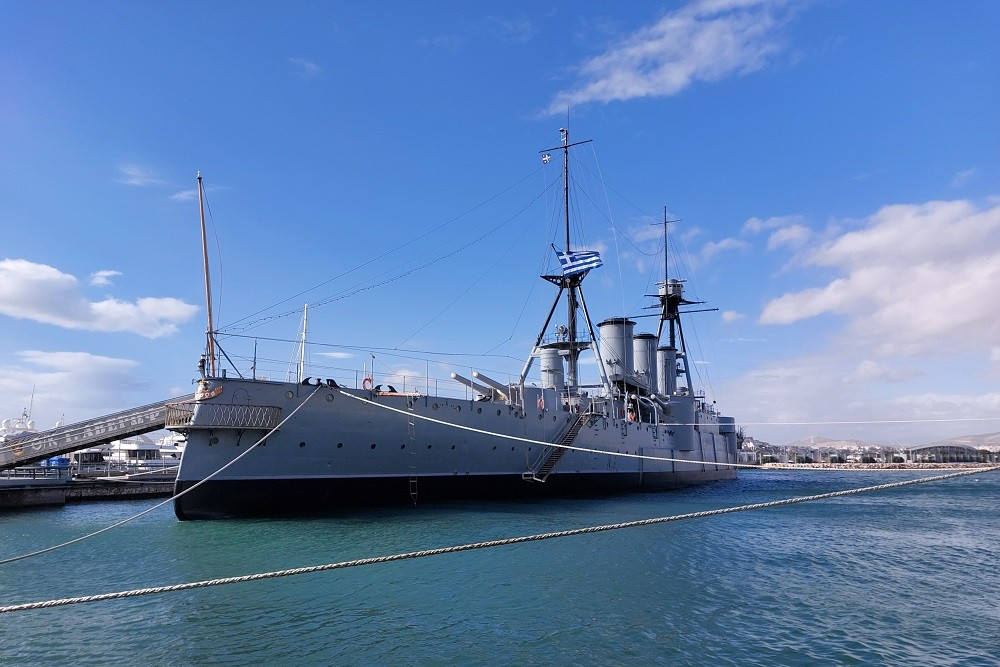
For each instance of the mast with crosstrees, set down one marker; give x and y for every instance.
(576, 265)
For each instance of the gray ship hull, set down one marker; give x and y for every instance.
(349, 448)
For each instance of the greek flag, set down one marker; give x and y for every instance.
(578, 261)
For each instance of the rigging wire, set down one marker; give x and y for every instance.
(485, 273)
(362, 287)
(369, 262)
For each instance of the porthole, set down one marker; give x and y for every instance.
(511, 449)
(302, 444)
(329, 397)
(213, 441)
(402, 446)
(428, 446)
(289, 394)
(494, 448)
(373, 445)
(540, 415)
(479, 411)
(453, 446)
(340, 445)
(498, 413)
(435, 406)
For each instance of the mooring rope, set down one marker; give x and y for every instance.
(161, 504)
(475, 545)
(544, 443)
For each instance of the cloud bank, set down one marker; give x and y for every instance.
(44, 294)
(915, 279)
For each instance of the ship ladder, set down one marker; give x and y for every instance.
(411, 431)
(551, 456)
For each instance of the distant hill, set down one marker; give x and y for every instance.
(989, 441)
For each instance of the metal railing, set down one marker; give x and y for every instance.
(191, 414)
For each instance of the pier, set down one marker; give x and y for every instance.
(22, 492)
(90, 433)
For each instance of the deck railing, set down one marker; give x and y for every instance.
(191, 414)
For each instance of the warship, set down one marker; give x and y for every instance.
(258, 447)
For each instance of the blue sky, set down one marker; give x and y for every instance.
(834, 164)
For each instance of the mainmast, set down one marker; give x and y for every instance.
(671, 296)
(210, 345)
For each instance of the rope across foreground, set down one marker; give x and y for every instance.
(478, 545)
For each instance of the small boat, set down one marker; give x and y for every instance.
(259, 448)
(17, 427)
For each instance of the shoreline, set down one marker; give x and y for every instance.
(874, 466)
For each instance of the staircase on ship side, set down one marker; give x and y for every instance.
(551, 456)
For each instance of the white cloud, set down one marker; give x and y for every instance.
(133, 174)
(75, 384)
(794, 236)
(44, 294)
(706, 40)
(913, 293)
(336, 355)
(917, 278)
(730, 316)
(305, 69)
(103, 278)
(185, 195)
(713, 248)
(757, 225)
(868, 370)
(963, 177)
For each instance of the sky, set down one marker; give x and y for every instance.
(833, 167)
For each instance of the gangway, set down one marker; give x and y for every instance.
(91, 433)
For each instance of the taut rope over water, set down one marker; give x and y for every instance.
(168, 500)
(476, 545)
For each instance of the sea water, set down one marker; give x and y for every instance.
(907, 576)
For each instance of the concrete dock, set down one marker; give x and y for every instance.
(23, 493)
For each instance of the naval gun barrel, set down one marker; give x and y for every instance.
(500, 389)
(475, 386)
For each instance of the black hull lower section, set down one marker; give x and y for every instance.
(323, 495)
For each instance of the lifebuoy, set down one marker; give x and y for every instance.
(366, 384)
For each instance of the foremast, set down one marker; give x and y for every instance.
(568, 343)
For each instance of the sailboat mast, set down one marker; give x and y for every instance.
(208, 283)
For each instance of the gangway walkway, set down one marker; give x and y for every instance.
(91, 433)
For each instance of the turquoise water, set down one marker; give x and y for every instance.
(902, 577)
